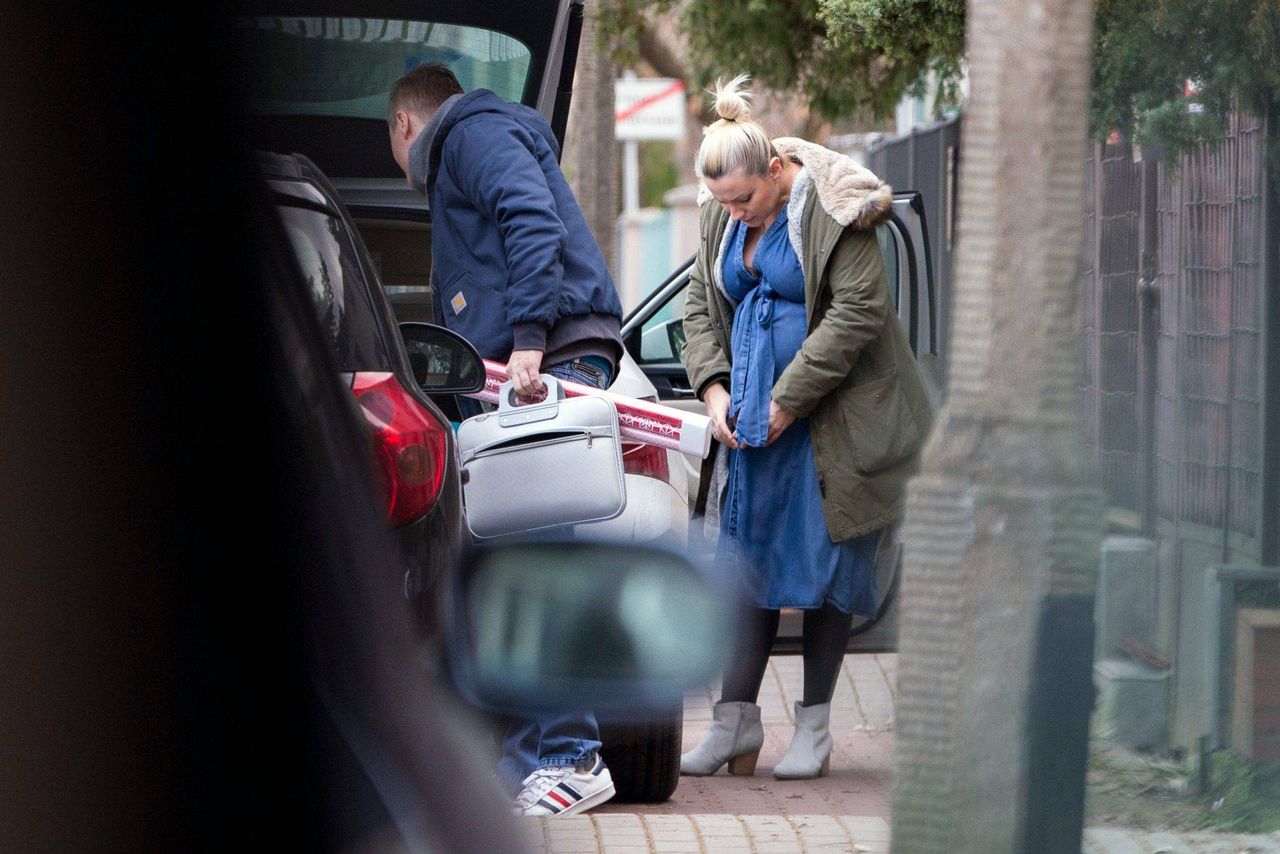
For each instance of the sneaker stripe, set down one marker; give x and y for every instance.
(560, 799)
(554, 809)
(577, 796)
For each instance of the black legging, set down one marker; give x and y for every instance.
(826, 632)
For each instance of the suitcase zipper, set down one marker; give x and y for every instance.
(504, 446)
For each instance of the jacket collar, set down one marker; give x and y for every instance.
(420, 165)
(850, 194)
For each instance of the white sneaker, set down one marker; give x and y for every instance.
(565, 790)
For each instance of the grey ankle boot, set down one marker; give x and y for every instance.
(735, 737)
(810, 752)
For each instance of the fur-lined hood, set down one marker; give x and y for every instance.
(849, 193)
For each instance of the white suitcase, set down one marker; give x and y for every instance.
(539, 466)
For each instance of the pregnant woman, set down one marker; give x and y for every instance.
(794, 345)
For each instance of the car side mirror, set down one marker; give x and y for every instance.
(443, 362)
(547, 625)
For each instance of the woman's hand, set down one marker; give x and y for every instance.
(779, 420)
(716, 397)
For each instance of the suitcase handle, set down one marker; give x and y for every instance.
(507, 394)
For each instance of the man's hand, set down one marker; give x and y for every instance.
(524, 368)
(779, 420)
(716, 397)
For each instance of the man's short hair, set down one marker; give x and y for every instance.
(422, 91)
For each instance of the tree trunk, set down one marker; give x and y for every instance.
(1004, 521)
(591, 153)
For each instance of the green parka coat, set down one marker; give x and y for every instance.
(855, 377)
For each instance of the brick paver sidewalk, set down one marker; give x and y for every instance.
(846, 811)
(617, 833)
(861, 760)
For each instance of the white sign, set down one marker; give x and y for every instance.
(649, 108)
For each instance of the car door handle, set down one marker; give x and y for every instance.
(678, 393)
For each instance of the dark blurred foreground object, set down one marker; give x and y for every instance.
(202, 647)
(541, 625)
(619, 628)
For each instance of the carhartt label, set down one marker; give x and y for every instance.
(459, 302)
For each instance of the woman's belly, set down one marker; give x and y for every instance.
(788, 330)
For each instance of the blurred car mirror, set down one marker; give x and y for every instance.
(443, 362)
(555, 624)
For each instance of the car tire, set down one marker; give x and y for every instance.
(644, 758)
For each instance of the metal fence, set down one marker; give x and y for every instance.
(1110, 318)
(1173, 312)
(1180, 376)
(927, 160)
(1173, 316)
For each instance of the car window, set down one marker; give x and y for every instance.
(662, 336)
(328, 262)
(344, 67)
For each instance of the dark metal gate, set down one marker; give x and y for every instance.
(1172, 324)
(927, 160)
(1173, 320)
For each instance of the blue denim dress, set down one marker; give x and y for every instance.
(772, 527)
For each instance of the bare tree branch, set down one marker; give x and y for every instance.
(661, 55)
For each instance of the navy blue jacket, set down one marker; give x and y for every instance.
(512, 254)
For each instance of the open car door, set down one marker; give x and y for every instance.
(319, 71)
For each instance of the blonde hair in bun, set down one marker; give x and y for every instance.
(732, 102)
(734, 141)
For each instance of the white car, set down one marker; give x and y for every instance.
(657, 480)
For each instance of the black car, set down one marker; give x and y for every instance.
(204, 646)
(415, 462)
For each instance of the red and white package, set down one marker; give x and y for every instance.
(638, 420)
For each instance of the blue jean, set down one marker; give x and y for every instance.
(586, 370)
(563, 738)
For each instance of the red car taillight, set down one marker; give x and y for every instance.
(409, 446)
(647, 460)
